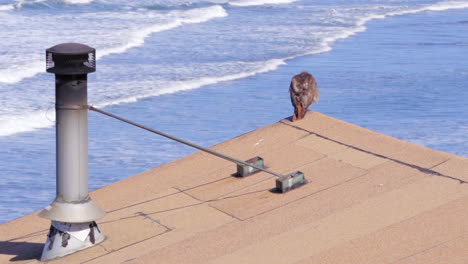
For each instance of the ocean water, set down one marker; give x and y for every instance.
(207, 71)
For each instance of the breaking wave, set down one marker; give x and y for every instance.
(14, 73)
(43, 119)
(259, 2)
(30, 120)
(193, 16)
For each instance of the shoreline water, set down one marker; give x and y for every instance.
(118, 151)
(141, 42)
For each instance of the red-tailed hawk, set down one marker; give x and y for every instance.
(304, 92)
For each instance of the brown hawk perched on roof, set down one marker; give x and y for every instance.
(304, 92)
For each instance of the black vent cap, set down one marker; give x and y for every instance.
(71, 59)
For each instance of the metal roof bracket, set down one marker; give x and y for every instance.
(244, 170)
(290, 182)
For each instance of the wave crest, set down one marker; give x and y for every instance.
(45, 118)
(259, 2)
(16, 72)
(193, 16)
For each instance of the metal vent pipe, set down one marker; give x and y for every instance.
(73, 213)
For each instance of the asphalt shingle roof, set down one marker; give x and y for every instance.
(370, 198)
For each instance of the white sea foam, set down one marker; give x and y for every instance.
(445, 5)
(360, 24)
(16, 73)
(25, 123)
(127, 39)
(194, 16)
(43, 119)
(78, 2)
(7, 7)
(259, 2)
(21, 3)
(178, 86)
(34, 120)
(439, 6)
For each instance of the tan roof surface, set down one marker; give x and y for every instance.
(370, 199)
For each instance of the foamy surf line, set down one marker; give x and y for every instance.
(437, 7)
(17, 73)
(195, 16)
(38, 120)
(78, 2)
(46, 118)
(179, 86)
(259, 2)
(29, 122)
(20, 4)
(7, 7)
(360, 25)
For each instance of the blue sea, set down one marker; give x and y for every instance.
(210, 70)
